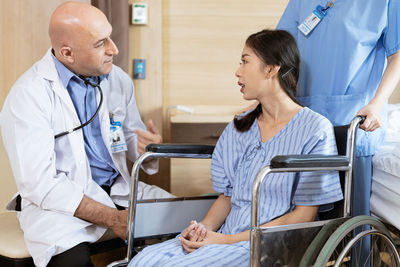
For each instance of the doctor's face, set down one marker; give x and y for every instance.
(251, 74)
(94, 49)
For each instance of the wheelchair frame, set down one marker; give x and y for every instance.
(300, 163)
(289, 163)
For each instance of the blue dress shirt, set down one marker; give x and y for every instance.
(84, 98)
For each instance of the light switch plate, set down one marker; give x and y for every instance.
(139, 69)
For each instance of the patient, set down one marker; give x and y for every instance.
(268, 73)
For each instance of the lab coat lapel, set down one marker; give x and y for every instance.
(104, 116)
(47, 69)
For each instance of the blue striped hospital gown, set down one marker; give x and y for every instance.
(236, 161)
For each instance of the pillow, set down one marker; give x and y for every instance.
(393, 124)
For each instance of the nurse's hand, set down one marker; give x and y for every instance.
(152, 136)
(373, 118)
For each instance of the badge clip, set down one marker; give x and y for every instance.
(309, 24)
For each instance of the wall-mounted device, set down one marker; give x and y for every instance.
(139, 13)
(139, 69)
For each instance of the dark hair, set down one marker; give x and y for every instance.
(279, 48)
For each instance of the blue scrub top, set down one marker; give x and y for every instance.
(344, 57)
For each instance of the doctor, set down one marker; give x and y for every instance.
(68, 182)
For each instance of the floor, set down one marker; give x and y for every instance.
(102, 259)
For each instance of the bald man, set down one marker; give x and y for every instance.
(70, 183)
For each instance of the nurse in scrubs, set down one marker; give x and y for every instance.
(350, 65)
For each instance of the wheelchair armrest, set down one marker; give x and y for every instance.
(180, 148)
(303, 161)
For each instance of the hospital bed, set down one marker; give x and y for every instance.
(331, 241)
(385, 189)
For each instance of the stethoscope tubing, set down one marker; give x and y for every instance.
(94, 115)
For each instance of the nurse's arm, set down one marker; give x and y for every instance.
(97, 213)
(389, 81)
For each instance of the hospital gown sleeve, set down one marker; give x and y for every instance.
(318, 188)
(223, 162)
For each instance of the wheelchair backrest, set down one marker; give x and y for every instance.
(341, 143)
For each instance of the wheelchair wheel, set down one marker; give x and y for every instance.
(345, 248)
(318, 242)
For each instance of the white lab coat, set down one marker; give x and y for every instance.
(53, 175)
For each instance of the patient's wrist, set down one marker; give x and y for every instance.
(208, 227)
(243, 236)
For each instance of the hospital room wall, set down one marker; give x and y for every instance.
(23, 40)
(395, 97)
(192, 50)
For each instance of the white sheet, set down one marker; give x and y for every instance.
(385, 195)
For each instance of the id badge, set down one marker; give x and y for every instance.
(117, 138)
(312, 20)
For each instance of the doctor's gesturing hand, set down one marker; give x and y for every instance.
(152, 136)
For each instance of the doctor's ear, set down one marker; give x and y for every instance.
(271, 70)
(67, 54)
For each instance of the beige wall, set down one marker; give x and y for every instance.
(24, 40)
(395, 97)
(202, 44)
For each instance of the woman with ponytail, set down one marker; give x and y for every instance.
(268, 73)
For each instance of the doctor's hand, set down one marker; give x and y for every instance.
(195, 232)
(119, 223)
(97, 213)
(152, 136)
(373, 118)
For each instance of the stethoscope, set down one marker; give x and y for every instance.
(87, 82)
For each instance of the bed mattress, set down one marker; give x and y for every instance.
(385, 195)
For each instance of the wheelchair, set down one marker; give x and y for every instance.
(336, 239)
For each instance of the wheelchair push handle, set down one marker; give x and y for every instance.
(362, 119)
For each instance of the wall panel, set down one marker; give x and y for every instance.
(202, 43)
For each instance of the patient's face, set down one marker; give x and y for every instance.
(252, 75)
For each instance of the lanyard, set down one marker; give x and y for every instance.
(329, 5)
(308, 25)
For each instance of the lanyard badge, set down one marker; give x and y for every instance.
(309, 24)
(117, 138)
